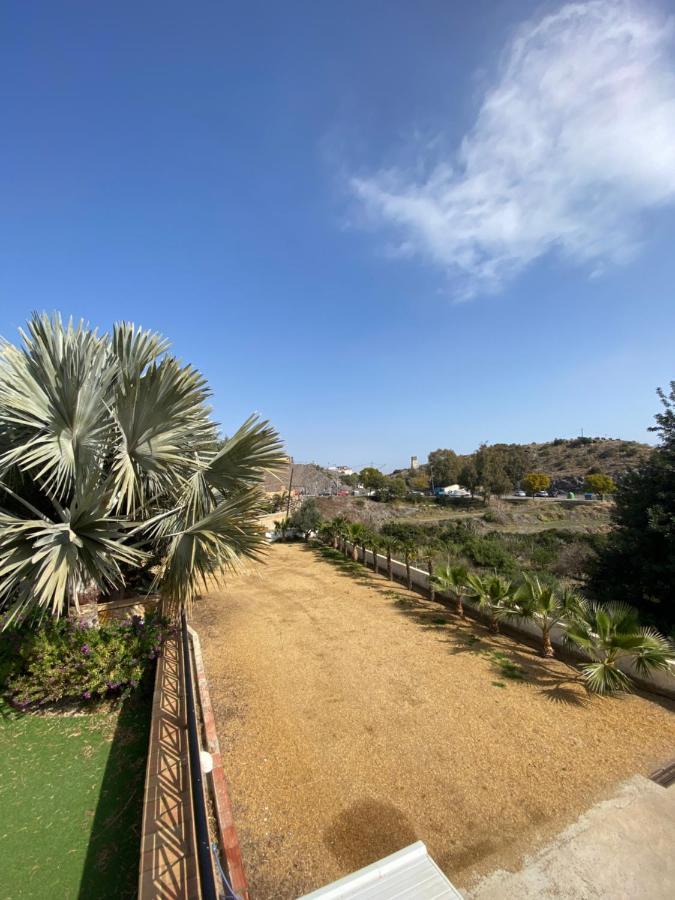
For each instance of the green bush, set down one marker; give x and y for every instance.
(490, 553)
(61, 660)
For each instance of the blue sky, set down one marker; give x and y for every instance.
(387, 226)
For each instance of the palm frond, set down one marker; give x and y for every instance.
(163, 423)
(216, 541)
(54, 401)
(253, 450)
(135, 349)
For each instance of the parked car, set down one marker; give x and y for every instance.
(542, 494)
(519, 494)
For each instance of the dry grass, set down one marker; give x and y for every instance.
(356, 717)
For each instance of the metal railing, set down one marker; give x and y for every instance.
(204, 862)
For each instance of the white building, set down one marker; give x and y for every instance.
(341, 470)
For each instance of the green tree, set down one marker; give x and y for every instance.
(306, 518)
(490, 471)
(372, 478)
(610, 633)
(351, 481)
(536, 481)
(443, 467)
(454, 580)
(110, 465)
(419, 482)
(468, 476)
(597, 483)
(546, 607)
(396, 488)
(638, 565)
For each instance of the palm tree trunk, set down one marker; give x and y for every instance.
(547, 645)
(432, 589)
(494, 625)
(355, 552)
(374, 552)
(84, 604)
(407, 572)
(390, 571)
(460, 606)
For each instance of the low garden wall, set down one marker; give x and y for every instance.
(661, 682)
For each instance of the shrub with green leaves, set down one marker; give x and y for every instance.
(63, 661)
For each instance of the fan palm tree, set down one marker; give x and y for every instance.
(390, 545)
(336, 531)
(355, 532)
(409, 546)
(546, 607)
(612, 632)
(492, 594)
(453, 580)
(375, 545)
(428, 552)
(109, 464)
(364, 542)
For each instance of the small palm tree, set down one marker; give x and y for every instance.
(364, 542)
(454, 580)
(409, 546)
(374, 545)
(355, 532)
(110, 465)
(281, 527)
(338, 527)
(612, 632)
(492, 594)
(428, 553)
(390, 545)
(546, 607)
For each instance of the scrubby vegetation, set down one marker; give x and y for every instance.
(60, 660)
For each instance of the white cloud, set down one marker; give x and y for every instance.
(574, 141)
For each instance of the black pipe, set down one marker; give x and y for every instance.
(199, 806)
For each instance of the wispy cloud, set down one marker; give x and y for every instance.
(574, 141)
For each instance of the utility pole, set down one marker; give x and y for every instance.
(288, 502)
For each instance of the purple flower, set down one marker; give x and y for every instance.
(86, 695)
(86, 649)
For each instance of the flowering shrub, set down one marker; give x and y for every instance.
(61, 660)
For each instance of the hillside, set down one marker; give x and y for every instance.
(563, 458)
(566, 460)
(308, 478)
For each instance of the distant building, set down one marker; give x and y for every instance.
(341, 470)
(413, 463)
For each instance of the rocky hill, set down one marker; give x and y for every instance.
(573, 458)
(308, 478)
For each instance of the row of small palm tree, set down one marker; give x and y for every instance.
(608, 633)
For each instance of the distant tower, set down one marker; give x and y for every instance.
(413, 462)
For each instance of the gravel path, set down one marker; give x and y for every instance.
(356, 717)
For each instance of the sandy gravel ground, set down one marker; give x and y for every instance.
(356, 717)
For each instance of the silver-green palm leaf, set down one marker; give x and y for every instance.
(109, 461)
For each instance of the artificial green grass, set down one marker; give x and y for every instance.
(71, 795)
